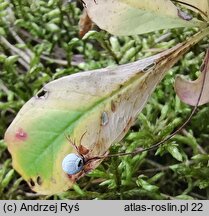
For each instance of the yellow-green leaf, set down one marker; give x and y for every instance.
(94, 109)
(131, 17)
(202, 5)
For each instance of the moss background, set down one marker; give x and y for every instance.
(39, 42)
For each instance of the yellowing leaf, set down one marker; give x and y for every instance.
(202, 5)
(94, 109)
(131, 17)
(189, 91)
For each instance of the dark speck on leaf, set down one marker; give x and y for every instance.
(149, 66)
(113, 107)
(42, 94)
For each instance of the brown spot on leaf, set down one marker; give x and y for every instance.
(83, 150)
(21, 135)
(75, 177)
(113, 107)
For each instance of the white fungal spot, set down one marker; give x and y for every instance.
(104, 118)
(72, 164)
